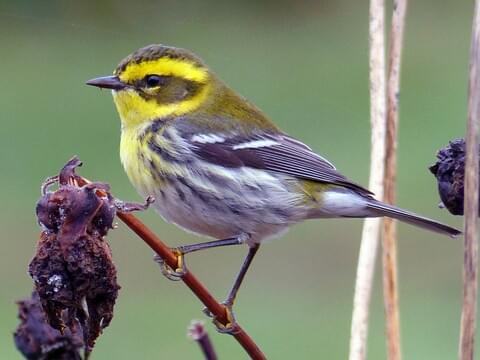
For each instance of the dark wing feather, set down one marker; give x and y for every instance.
(281, 154)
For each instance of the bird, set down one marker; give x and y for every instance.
(217, 166)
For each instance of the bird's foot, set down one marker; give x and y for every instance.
(169, 272)
(231, 326)
(128, 207)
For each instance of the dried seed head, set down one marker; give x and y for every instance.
(450, 173)
(72, 268)
(36, 339)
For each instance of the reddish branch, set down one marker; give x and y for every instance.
(470, 266)
(389, 248)
(162, 250)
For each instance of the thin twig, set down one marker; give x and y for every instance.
(389, 248)
(371, 228)
(216, 309)
(196, 331)
(470, 257)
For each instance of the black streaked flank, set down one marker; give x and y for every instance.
(154, 128)
(233, 209)
(281, 212)
(224, 183)
(162, 193)
(150, 164)
(207, 199)
(180, 193)
(164, 154)
(157, 176)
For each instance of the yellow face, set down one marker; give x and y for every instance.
(157, 82)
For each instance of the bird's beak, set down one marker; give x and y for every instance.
(107, 82)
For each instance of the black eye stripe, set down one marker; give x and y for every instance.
(155, 80)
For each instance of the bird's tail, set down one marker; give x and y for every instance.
(381, 209)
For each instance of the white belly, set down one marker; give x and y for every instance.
(230, 203)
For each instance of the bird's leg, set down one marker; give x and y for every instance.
(176, 274)
(252, 250)
(211, 244)
(230, 327)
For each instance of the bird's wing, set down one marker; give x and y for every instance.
(277, 153)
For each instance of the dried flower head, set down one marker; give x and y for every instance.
(37, 340)
(73, 270)
(450, 173)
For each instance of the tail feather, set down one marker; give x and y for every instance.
(382, 209)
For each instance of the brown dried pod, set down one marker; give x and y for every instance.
(37, 340)
(73, 270)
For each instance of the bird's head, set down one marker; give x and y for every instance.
(157, 82)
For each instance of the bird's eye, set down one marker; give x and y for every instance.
(154, 80)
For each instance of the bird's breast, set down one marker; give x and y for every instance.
(139, 163)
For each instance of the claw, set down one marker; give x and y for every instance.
(168, 272)
(231, 326)
(128, 207)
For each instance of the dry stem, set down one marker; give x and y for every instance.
(196, 331)
(389, 253)
(369, 244)
(470, 290)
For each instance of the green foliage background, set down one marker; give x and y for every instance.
(306, 65)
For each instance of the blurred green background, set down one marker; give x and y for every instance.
(306, 65)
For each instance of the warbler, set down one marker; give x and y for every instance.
(217, 166)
